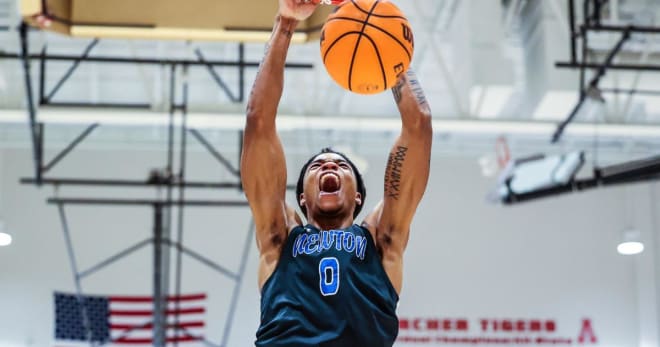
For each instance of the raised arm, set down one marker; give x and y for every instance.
(263, 167)
(406, 176)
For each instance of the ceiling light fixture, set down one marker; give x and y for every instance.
(5, 238)
(631, 243)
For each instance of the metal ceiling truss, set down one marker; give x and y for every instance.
(160, 179)
(162, 239)
(48, 98)
(623, 173)
(579, 35)
(37, 128)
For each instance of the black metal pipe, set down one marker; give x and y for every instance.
(575, 186)
(160, 303)
(41, 133)
(593, 84)
(152, 61)
(630, 91)
(571, 19)
(182, 191)
(622, 28)
(585, 12)
(121, 183)
(585, 58)
(634, 168)
(170, 122)
(214, 152)
(631, 67)
(204, 260)
(133, 183)
(602, 71)
(169, 171)
(169, 174)
(32, 112)
(95, 105)
(42, 76)
(562, 126)
(76, 274)
(72, 68)
(237, 285)
(630, 180)
(218, 80)
(184, 130)
(70, 147)
(241, 72)
(114, 258)
(597, 9)
(145, 202)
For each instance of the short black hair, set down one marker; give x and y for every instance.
(358, 177)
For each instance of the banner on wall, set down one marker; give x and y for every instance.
(431, 331)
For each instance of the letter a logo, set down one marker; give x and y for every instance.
(587, 333)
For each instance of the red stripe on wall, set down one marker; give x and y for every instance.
(146, 341)
(189, 297)
(149, 326)
(149, 313)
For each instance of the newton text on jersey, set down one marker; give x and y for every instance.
(317, 242)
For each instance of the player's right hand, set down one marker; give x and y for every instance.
(297, 9)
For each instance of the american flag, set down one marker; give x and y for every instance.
(127, 319)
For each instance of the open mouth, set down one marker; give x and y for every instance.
(329, 183)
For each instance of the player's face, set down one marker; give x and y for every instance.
(330, 186)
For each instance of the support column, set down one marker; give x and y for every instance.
(160, 279)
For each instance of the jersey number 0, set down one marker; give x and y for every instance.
(329, 276)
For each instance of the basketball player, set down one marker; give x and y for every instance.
(329, 282)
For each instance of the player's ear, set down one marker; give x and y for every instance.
(302, 200)
(358, 199)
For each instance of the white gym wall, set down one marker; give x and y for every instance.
(553, 259)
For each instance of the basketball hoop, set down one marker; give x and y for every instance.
(326, 2)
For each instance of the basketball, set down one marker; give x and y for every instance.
(366, 44)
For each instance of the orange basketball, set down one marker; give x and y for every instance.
(366, 44)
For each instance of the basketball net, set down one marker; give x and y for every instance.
(502, 152)
(494, 163)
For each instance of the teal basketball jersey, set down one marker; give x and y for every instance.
(328, 289)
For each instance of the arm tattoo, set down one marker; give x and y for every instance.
(393, 172)
(396, 90)
(261, 64)
(266, 50)
(263, 60)
(287, 32)
(416, 88)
